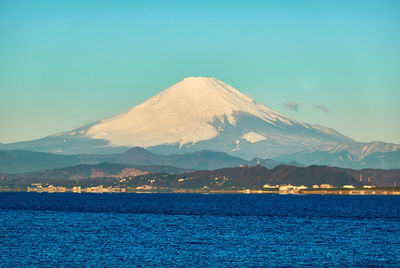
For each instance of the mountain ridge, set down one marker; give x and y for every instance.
(19, 161)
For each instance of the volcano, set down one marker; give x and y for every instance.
(194, 114)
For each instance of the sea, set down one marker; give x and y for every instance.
(198, 230)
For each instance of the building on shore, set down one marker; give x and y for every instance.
(291, 189)
(49, 189)
(76, 189)
(144, 187)
(267, 186)
(101, 189)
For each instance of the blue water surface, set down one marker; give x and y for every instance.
(198, 230)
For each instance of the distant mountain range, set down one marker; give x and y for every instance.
(202, 160)
(18, 161)
(198, 114)
(102, 170)
(357, 156)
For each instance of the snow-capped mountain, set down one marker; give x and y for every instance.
(185, 114)
(195, 114)
(205, 113)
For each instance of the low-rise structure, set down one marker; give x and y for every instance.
(77, 189)
(368, 186)
(144, 187)
(291, 189)
(49, 189)
(101, 189)
(267, 186)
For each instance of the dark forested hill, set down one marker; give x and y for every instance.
(253, 177)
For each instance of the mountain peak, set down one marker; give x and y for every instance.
(199, 79)
(198, 82)
(183, 113)
(205, 86)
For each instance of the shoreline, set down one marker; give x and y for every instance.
(332, 191)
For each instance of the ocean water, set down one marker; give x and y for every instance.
(198, 230)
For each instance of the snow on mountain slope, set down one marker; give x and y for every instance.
(361, 149)
(253, 137)
(182, 114)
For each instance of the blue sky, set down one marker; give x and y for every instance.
(64, 64)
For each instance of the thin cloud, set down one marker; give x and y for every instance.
(322, 108)
(291, 105)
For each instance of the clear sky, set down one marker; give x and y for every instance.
(64, 64)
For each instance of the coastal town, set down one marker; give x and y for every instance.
(238, 180)
(324, 189)
(39, 188)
